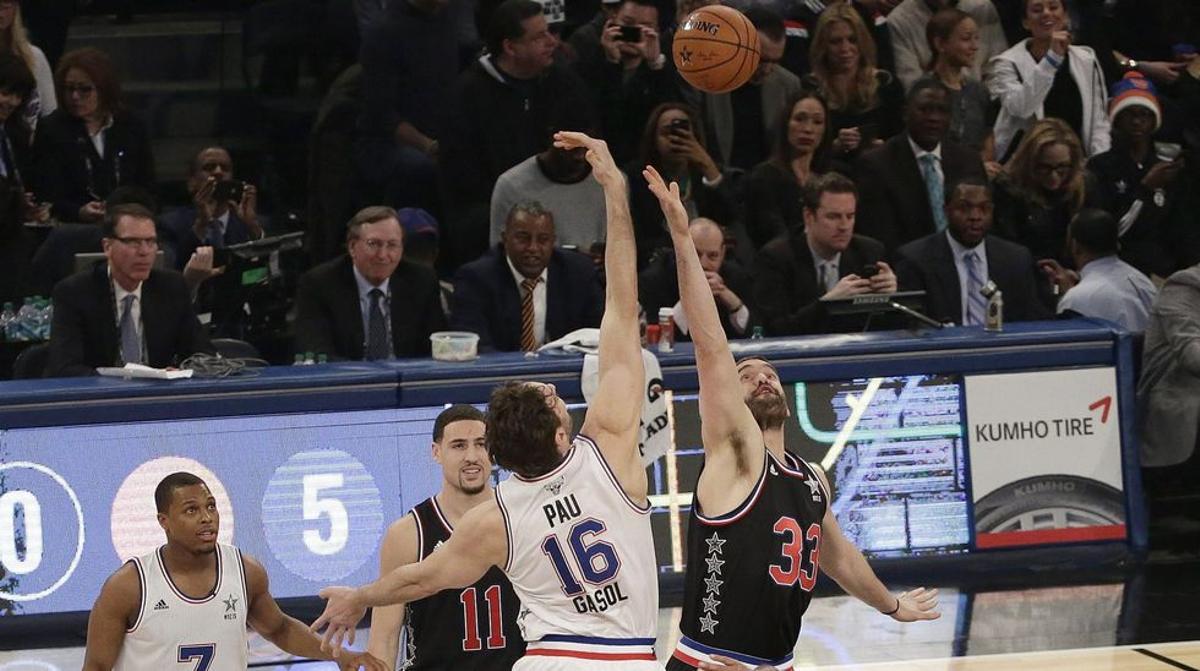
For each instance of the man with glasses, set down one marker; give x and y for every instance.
(125, 310)
(369, 304)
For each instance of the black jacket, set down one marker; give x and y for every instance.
(486, 300)
(928, 265)
(786, 292)
(658, 287)
(68, 171)
(84, 332)
(893, 204)
(329, 315)
(649, 226)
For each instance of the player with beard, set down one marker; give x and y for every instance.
(188, 603)
(459, 629)
(761, 522)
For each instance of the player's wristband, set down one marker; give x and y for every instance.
(894, 610)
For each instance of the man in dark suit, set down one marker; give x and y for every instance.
(123, 311)
(214, 219)
(952, 267)
(525, 292)
(902, 183)
(824, 260)
(371, 303)
(658, 284)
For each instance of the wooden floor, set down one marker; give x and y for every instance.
(1153, 657)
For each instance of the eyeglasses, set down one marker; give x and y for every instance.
(378, 245)
(1058, 169)
(78, 89)
(143, 243)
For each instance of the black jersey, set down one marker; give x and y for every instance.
(750, 572)
(459, 629)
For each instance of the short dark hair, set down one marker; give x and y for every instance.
(521, 428)
(370, 215)
(953, 187)
(112, 217)
(738, 364)
(16, 77)
(455, 413)
(505, 23)
(99, 68)
(529, 208)
(830, 182)
(766, 21)
(926, 84)
(167, 486)
(1096, 230)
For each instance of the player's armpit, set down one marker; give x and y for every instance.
(399, 547)
(117, 608)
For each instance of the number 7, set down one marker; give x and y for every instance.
(204, 653)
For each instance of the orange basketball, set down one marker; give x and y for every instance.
(716, 49)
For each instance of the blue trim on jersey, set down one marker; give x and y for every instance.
(593, 640)
(162, 562)
(741, 657)
(245, 583)
(742, 508)
(641, 510)
(137, 565)
(508, 538)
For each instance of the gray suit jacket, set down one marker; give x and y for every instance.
(1169, 388)
(718, 110)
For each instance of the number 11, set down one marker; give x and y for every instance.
(495, 640)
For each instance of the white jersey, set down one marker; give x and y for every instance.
(581, 558)
(176, 632)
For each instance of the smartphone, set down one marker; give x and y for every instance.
(630, 34)
(868, 132)
(229, 190)
(681, 127)
(220, 257)
(1167, 151)
(868, 271)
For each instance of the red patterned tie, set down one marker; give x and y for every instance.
(528, 339)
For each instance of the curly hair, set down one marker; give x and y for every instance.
(521, 429)
(865, 93)
(1047, 132)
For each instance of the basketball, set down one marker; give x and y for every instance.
(716, 49)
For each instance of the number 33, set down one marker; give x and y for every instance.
(793, 554)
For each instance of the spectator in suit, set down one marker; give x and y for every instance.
(1105, 286)
(775, 188)
(90, 145)
(952, 266)
(628, 78)
(525, 292)
(658, 285)
(371, 303)
(1041, 188)
(673, 143)
(865, 101)
(743, 122)
(498, 114)
(123, 311)
(211, 221)
(822, 260)
(903, 182)
(1169, 386)
(907, 24)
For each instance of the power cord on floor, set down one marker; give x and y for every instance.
(215, 365)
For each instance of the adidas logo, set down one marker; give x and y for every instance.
(161, 605)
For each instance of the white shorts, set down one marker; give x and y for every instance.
(573, 664)
(557, 652)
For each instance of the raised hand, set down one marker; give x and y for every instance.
(341, 617)
(917, 604)
(668, 200)
(604, 169)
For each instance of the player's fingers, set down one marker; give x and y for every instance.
(320, 622)
(350, 636)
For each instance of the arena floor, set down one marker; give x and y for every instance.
(1149, 620)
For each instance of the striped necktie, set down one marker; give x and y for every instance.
(976, 305)
(528, 338)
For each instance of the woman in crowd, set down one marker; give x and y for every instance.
(1044, 76)
(1041, 189)
(775, 187)
(865, 103)
(953, 38)
(671, 143)
(90, 145)
(17, 206)
(13, 40)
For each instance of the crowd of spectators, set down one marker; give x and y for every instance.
(1046, 145)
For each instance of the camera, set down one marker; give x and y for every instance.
(229, 190)
(630, 34)
(679, 126)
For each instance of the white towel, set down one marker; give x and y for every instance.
(654, 439)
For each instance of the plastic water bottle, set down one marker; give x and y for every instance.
(24, 321)
(47, 318)
(756, 333)
(6, 321)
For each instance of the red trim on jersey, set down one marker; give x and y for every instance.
(137, 565)
(440, 515)
(742, 509)
(1110, 532)
(613, 477)
(508, 539)
(686, 658)
(420, 534)
(566, 460)
(597, 656)
(809, 472)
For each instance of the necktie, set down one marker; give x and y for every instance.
(377, 332)
(131, 345)
(976, 306)
(829, 275)
(528, 338)
(935, 188)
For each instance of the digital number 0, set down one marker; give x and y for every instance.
(10, 555)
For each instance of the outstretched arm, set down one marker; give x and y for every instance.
(115, 610)
(613, 416)
(728, 427)
(478, 543)
(399, 547)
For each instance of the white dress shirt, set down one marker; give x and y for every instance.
(539, 300)
(957, 250)
(1111, 289)
(834, 263)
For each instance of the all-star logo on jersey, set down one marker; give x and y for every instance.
(230, 602)
(815, 487)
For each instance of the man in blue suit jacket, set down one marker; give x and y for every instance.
(211, 221)
(564, 292)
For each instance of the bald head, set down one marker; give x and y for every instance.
(709, 239)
